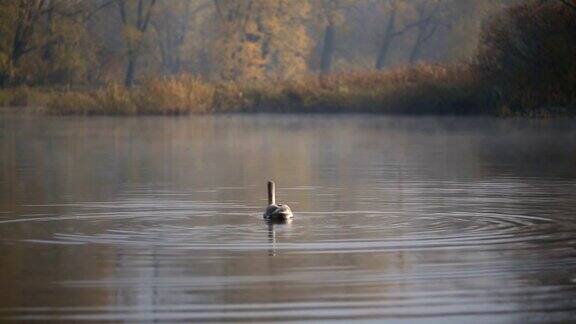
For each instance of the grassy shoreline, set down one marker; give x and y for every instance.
(422, 89)
(417, 90)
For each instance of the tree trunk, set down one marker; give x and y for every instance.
(18, 44)
(48, 51)
(415, 52)
(328, 49)
(18, 50)
(426, 29)
(143, 14)
(386, 41)
(131, 70)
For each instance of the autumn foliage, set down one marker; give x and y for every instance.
(260, 59)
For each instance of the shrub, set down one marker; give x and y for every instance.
(421, 89)
(526, 56)
(176, 95)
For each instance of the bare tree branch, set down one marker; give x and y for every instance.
(569, 4)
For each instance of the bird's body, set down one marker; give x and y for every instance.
(276, 212)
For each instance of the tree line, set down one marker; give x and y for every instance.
(94, 42)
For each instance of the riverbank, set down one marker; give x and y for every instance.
(424, 89)
(421, 89)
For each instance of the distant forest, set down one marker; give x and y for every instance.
(525, 49)
(96, 41)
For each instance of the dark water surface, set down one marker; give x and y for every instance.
(157, 219)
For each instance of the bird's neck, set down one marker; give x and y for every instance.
(271, 194)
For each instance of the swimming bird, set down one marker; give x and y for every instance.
(276, 212)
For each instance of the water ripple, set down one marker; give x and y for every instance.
(185, 225)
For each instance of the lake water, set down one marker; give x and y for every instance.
(156, 219)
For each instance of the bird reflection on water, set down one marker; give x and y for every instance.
(272, 233)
